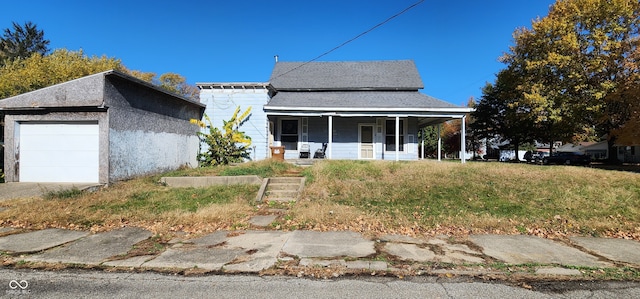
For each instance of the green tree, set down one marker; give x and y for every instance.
(226, 145)
(22, 42)
(573, 64)
(500, 114)
(429, 135)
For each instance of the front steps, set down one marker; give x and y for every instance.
(283, 189)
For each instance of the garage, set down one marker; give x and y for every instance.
(101, 128)
(59, 152)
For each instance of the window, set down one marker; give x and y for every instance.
(289, 134)
(390, 135)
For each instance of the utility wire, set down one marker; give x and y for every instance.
(352, 39)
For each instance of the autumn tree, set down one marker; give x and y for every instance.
(22, 42)
(450, 132)
(573, 64)
(629, 132)
(178, 84)
(37, 71)
(473, 139)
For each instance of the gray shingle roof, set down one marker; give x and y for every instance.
(349, 75)
(356, 99)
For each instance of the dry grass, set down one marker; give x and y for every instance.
(410, 198)
(430, 198)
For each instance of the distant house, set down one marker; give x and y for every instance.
(629, 154)
(624, 153)
(360, 110)
(574, 147)
(100, 128)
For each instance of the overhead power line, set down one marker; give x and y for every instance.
(354, 38)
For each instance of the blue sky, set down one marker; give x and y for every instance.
(454, 43)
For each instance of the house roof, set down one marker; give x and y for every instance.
(363, 100)
(347, 75)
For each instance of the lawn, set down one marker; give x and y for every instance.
(412, 198)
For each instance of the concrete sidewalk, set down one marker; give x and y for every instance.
(26, 190)
(257, 251)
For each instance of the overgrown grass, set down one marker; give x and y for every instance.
(63, 194)
(157, 202)
(477, 196)
(264, 169)
(424, 197)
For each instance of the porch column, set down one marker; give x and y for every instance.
(422, 152)
(330, 140)
(439, 143)
(397, 138)
(463, 141)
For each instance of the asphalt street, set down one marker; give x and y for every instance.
(22, 283)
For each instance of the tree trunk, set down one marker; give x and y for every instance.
(612, 153)
(516, 146)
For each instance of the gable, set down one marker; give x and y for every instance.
(350, 75)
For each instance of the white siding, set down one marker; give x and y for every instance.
(222, 102)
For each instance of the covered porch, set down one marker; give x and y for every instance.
(358, 134)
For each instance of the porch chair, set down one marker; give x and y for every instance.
(305, 151)
(319, 154)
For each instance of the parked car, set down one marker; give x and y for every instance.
(567, 158)
(539, 156)
(535, 156)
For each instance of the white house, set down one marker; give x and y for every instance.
(358, 109)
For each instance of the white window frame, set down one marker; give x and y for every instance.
(404, 123)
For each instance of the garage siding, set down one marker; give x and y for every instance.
(136, 153)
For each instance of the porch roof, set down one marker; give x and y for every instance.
(364, 103)
(356, 99)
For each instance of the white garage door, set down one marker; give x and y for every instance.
(59, 152)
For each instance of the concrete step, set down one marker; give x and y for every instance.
(280, 199)
(282, 189)
(273, 187)
(285, 180)
(282, 193)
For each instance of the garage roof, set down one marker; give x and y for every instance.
(87, 91)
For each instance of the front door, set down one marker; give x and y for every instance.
(365, 138)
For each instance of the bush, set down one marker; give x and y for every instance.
(224, 146)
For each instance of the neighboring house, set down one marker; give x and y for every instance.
(600, 151)
(629, 154)
(597, 151)
(360, 110)
(574, 147)
(99, 129)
